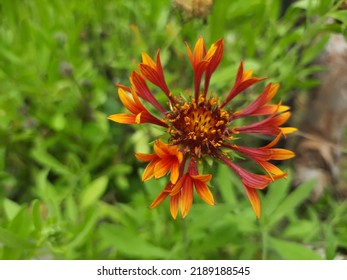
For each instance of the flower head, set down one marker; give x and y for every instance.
(200, 125)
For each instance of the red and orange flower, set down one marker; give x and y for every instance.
(200, 126)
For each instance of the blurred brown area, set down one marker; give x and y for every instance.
(193, 8)
(321, 141)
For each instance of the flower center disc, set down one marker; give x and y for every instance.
(200, 126)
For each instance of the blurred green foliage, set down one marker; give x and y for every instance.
(70, 186)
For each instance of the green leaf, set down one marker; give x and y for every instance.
(48, 193)
(225, 185)
(292, 251)
(36, 213)
(130, 243)
(277, 191)
(71, 208)
(306, 4)
(10, 56)
(293, 200)
(300, 230)
(2, 158)
(94, 132)
(11, 208)
(218, 19)
(314, 50)
(86, 229)
(21, 224)
(340, 15)
(331, 242)
(10, 239)
(49, 161)
(58, 122)
(93, 192)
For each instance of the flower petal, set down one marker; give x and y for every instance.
(204, 178)
(143, 91)
(161, 197)
(243, 81)
(262, 99)
(270, 109)
(153, 72)
(141, 114)
(263, 153)
(204, 192)
(248, 179)
(161, 168)
(129, 103)
(254, 199)
(174, 205)
(272, 169)
(148, 173)
(240, 75)
(274, 141)
(145, 157)
(198, 62)
(147, 60)
(122, 118)
(178, 186)
(288, 130)
(138, 118)
(214, 56)
(186, 198)
(174, 172)
(269, 125)
(281, 154)
(161, 149)
(199, 50)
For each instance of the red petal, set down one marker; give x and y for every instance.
(161, 74)
(269, 110)
(143, 91)
(150, 74)
(247, 83)
(243, 81)
(249, 179)
(262, 99)
(239, 74)
(154, 72)
(216, 54)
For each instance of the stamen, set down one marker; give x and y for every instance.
(199, 127)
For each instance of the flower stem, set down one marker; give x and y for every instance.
(185, 239)
(264, 237)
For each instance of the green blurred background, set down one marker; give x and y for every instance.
(70, 186)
